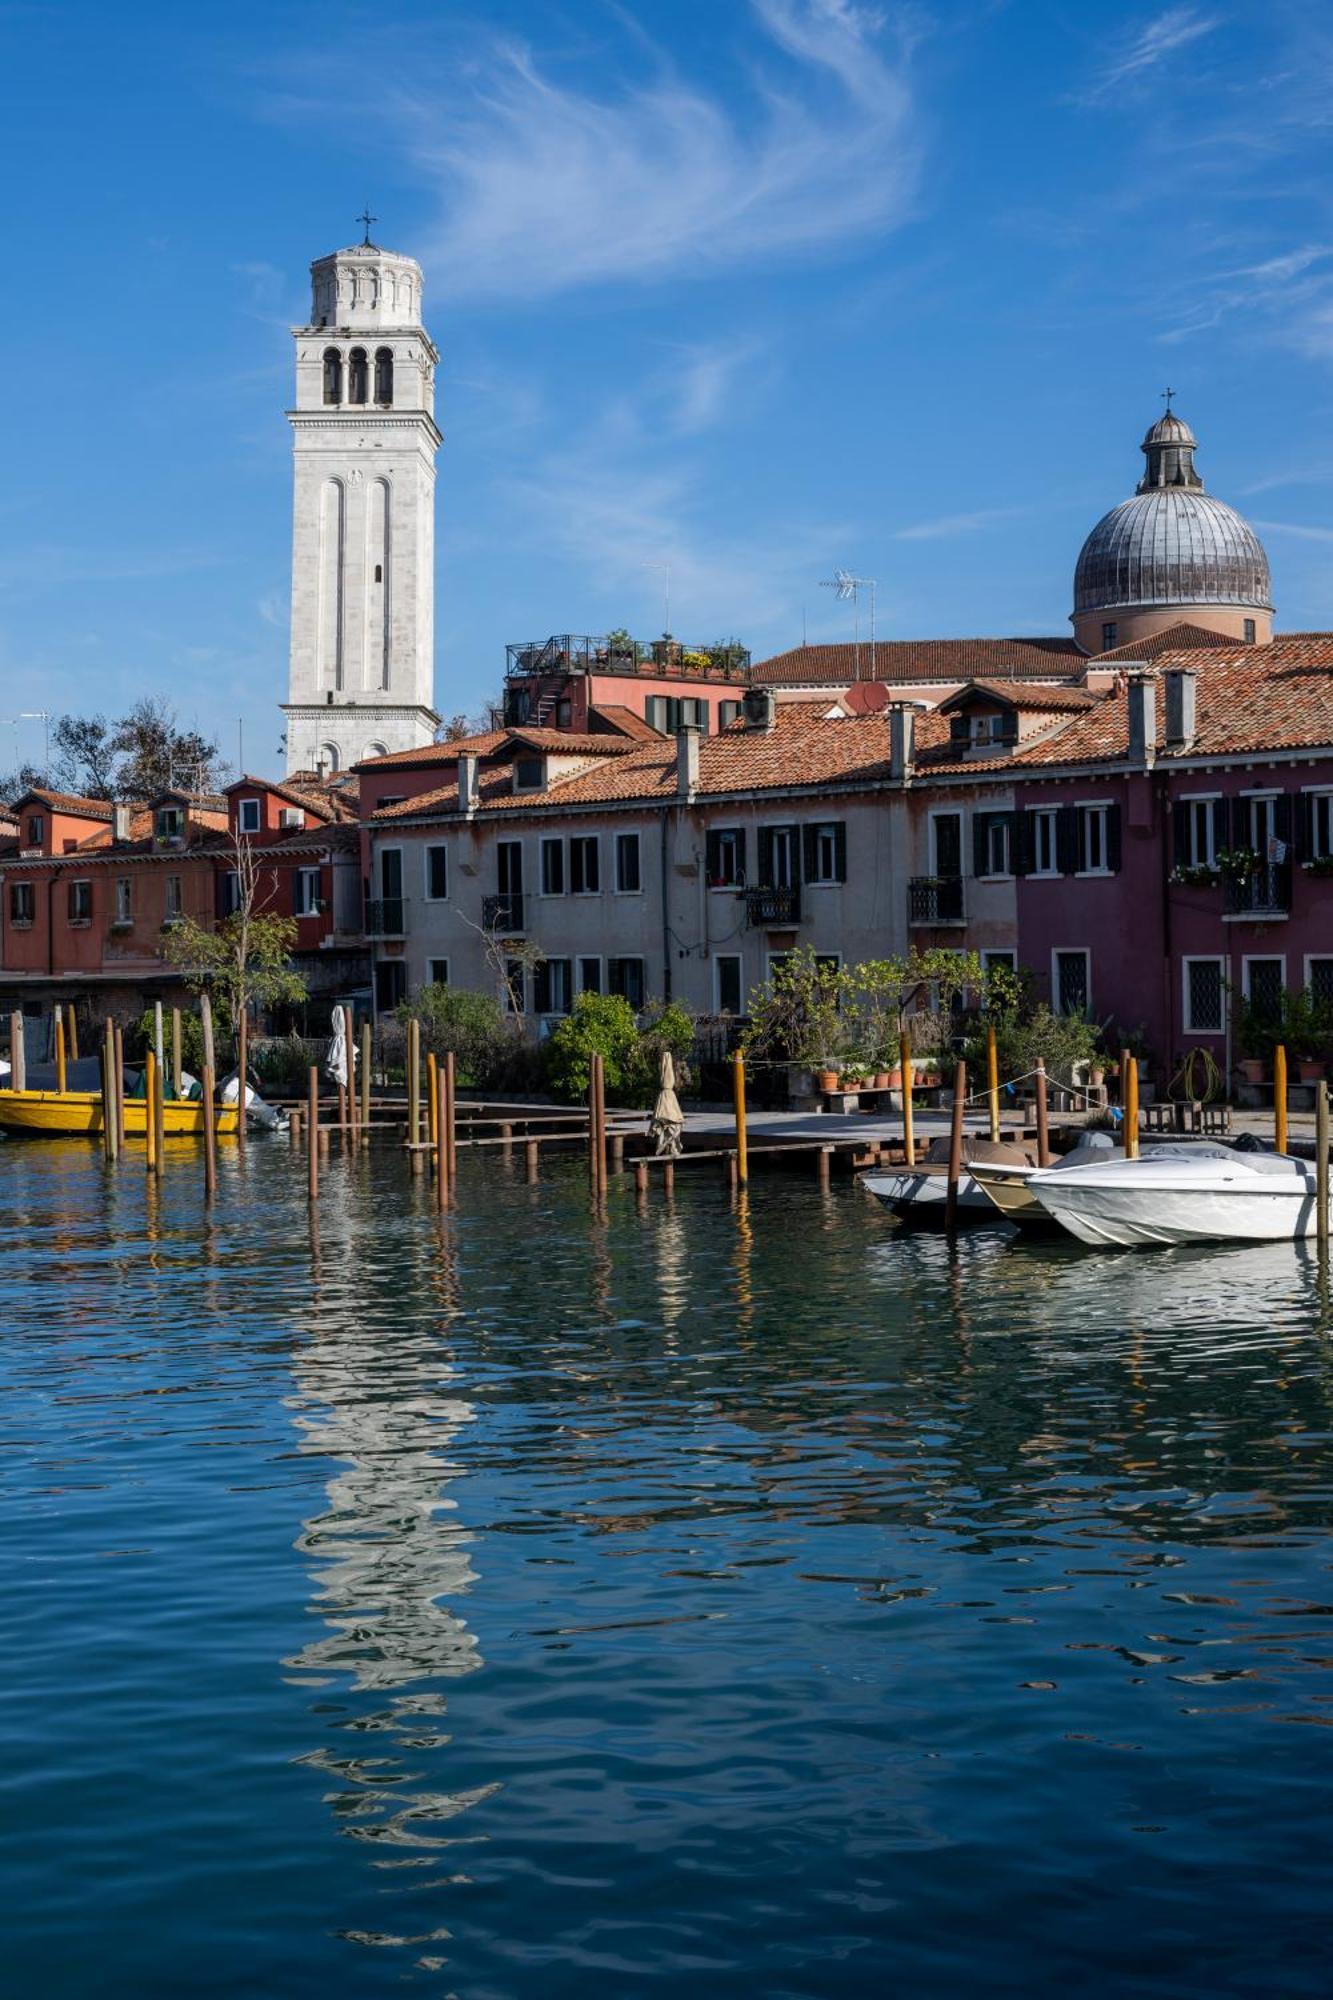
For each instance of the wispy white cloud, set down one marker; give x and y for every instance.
(1297, 530)
(1291, 285)
(43, 565)
(545, 186)
(1134, 58)
(948, 525)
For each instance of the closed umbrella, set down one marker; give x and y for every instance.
(335, 1059)
(668, 1120)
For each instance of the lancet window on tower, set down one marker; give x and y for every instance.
(333, 375)
(358, 376)
(383, 374)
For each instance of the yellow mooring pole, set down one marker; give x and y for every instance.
(738, 1086)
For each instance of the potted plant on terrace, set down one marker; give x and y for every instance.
(796, 1017)
(1257, 1036)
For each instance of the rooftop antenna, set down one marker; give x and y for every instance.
(665, 569)
(849, 586)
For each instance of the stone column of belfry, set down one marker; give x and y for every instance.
(361, 679)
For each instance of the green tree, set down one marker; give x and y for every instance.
(243, 961)
(468, 1023)
(605, 1024)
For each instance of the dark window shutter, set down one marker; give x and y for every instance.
(740, 856)
(1022, 843)
(1219, 825)
(980, 837)
(1180, 833)
(541, 988)
(766, 856)
(1282, 817)
(809, 853)
(712, 856)
(793, 834)
(1113, 839)
(1067, 839)
(1305, 829)
(840, 851)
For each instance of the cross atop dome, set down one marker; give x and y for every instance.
(366, 218)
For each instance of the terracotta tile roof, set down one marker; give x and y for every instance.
(67, 802)
(308, 797)
(142, 832)
(624, 722)
(565, 742)
(436, 753)
(1021, 694)
(921, 660)
(1168, 641)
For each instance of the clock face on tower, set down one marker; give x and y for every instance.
(361, 672)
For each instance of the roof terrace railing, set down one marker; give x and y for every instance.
(617, 653)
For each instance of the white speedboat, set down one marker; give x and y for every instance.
(1009, 1184)
(1190, 1197)
(921, 1193)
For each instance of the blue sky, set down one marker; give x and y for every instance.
(753, 289)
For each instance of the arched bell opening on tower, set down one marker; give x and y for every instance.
(384, 375)
(358, 376)
(333, 375)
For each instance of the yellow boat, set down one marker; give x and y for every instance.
(55, 1114)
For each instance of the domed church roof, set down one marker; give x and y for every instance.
(1172, 543)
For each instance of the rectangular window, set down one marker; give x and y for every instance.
(529, 774)
(729, 984)
(584, 865)
(1071, 981)
(1264, 979)
(777, 857)
(991, 843)
(1094, 849)
(625, 976)
(171, 895)
(551, 987)
(1319, 979)
(590, 975)
(1318, 826)
(514, 996)
(249, 816)
(391, 874)
(170, 822)
(727, 711)
(628, 877)
(1045, 845)
(229, 895)
(946, 845)
(1249, 631)
(553, 867)
(1205, 996)
(1006, 961)
(437, 874)
(724, 857)
(36, 829)
(124, 900)
(20, 903)
(1108, 637)
(305, 892)
(438, 968)
(390, 984)
(826, 852)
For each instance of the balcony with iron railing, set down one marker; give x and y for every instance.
(503, 915)
(772, 906)
(384, 917)
(935, 899)
(617, 653)
(1266, 892)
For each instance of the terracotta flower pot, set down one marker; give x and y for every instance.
(882, 1079)
(826, 1079)
(1309, 1072)
(1251, 1069)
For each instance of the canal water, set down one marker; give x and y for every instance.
(703, 1601)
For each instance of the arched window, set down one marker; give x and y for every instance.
(357, 374)
(328, 757)
(383, 374)
(333, 375)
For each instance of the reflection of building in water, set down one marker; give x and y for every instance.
(392, 1556)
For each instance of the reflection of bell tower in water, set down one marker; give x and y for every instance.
(362, 669)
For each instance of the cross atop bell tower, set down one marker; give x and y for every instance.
(362, 670)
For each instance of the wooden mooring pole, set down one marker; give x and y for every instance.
(1280, 1098)
(414, 1092)
(120, 1087)
(365, 1083)
(60, 1051)
(243, 1065)
(110, 1121)
(440, 1098)
(738, 1087)
(955, 1147)
(159, 1121)
(206, 1031)
(1131, 1107)
(905, 1077)
(993, 1084)
(451, 1115)
(149, 1125)
(210, 1138)
(18, 1053)
(312, 1134)
(1043, 1117)
(177, 1063)
(159, 1046)
(1321, 1160)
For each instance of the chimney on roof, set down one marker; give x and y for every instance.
(687, 763)
(760, 707)
(902, 741)
(120, 823)
(322, 770)
(467, 781)
(1181, 700)
(1142, 719)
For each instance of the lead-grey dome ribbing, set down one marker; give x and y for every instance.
(1172, 543)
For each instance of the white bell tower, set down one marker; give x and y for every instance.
(362, 673)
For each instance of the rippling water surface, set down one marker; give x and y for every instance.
(699, 1601)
